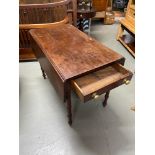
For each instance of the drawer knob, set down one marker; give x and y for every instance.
(126, 81)
(95, 95)
(81, 16)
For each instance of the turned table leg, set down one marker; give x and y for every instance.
(43, 73)
(120, 32)
(106, 98)
(69, 108)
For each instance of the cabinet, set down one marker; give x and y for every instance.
(100, 7)
(128, 24)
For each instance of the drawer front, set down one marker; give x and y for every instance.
(94, 84)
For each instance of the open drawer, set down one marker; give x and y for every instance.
(94, 84)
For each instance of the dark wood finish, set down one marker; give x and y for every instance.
(43, 73)
(75, 54)
(60, 11)
(42, 14)
(69, 105)
(65, 57)
(106, 98)
(86, 13)
(49, 68)
(46, 11)
(25, 51)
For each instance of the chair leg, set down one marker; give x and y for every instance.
(106, 98)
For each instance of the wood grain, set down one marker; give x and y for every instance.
(26, 53)
(65, 53)
(49, 69)
(72, 52)
(98, 80)
(42, 14)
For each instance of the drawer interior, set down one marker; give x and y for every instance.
(98, 80)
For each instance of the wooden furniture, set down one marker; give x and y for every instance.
(128, 24)
(100, 7)
(41, 14)
(77, 62)
(85, 10)
(109, 16)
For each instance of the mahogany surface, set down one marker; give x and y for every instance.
(65, 53)
(73, 52)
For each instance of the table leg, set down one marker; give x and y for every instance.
(43, 73)
(106, 98)
(69, 108)
(120, 32)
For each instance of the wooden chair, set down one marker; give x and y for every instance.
(46, 15)
(128, 24)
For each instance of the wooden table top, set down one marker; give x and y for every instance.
(71, 52)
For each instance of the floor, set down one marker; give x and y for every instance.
(95, 131)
